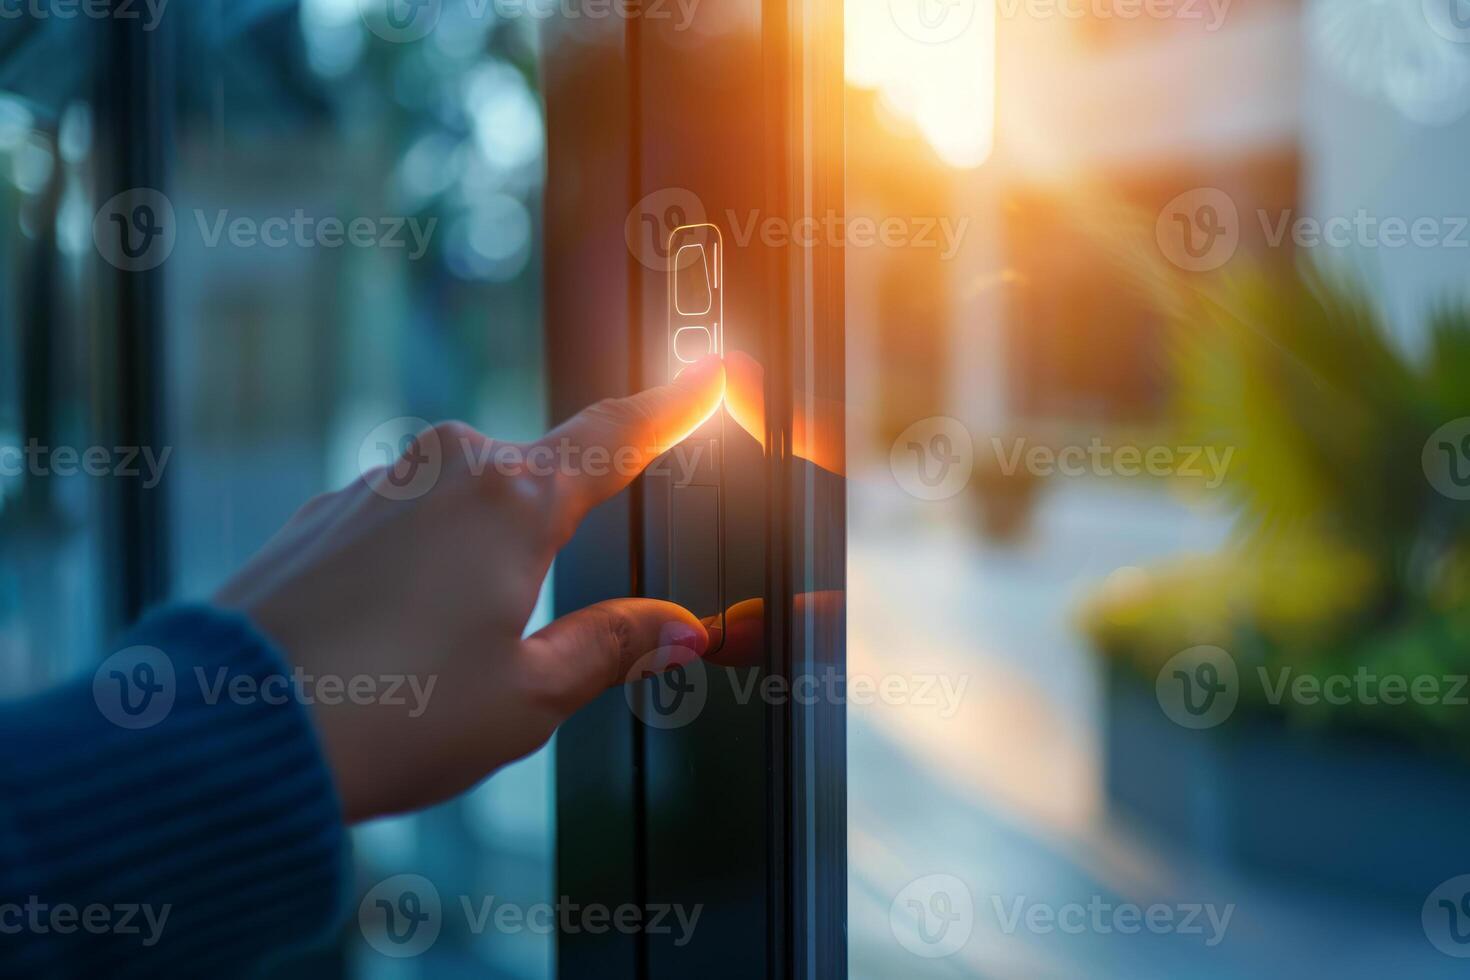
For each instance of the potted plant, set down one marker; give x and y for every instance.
(1330, 641)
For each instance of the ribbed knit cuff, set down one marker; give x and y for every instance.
(171, 814)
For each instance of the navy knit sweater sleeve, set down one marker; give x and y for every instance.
(167, 816)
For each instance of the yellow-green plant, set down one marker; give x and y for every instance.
(1347, 556)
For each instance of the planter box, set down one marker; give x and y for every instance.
(1350, 812)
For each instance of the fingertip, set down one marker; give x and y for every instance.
(689, 635)
(706, 376)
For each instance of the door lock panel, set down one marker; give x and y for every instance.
(696, 493)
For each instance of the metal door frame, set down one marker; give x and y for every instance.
(593, 92)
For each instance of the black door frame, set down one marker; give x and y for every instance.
(613, 840)
(134, 93)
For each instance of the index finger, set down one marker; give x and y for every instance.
(616, 439)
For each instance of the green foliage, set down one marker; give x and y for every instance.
(1347, 555)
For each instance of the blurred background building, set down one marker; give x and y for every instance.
(1047, 328)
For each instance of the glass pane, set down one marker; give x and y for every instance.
(54, 475)
(357, 255)
(1159, 315)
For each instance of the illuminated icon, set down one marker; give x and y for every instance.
(696, 295)
(692, 343)
(693, 289)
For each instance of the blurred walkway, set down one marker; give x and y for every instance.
(1006, 793)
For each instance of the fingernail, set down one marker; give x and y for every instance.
(679, 643)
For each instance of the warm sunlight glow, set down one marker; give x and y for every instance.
(944, 85)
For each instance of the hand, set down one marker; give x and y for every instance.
(439, 588)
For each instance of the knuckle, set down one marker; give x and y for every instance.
(316, 506)
(452, 431)
(616, 640)
(526, 496)
(633, 419)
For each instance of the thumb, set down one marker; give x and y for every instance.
(611, 643)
